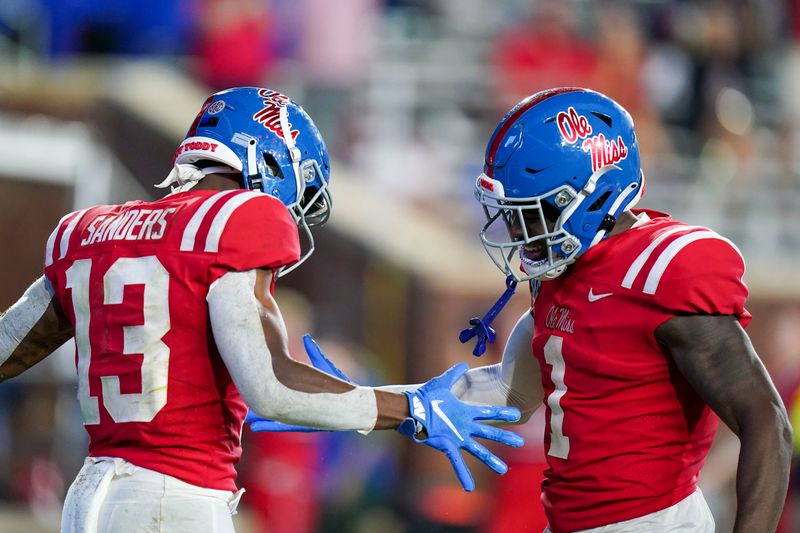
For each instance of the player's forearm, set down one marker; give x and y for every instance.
(19, 361)
(289, 391)
(18, 321)
(30, 330)
(251, 339)
(515, 381)
(717, 358)
(763, 472)
(355, 410)
(483, 386)
(392, 407)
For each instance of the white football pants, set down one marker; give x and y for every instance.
(690, 515)
(111, 495)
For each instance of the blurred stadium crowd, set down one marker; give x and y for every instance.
(406, 93)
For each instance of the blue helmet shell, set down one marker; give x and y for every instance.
(273, 143)
(573, 151)
(236, 117)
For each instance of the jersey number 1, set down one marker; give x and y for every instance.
(142, 339)
(554, 356)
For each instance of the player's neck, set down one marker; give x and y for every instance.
(219, 182)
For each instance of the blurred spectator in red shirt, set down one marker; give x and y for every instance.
(547, 50)
(234, 44)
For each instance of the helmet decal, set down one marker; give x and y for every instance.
(213, 149)
(605, 152)
(216, 107)
(270, 116)
(574, 127)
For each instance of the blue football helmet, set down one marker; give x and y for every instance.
(560, 168)
(275, 146)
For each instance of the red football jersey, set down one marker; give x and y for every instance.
(626, 434)
(133, 280)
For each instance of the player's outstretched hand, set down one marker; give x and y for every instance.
(320, 362)
(445, 423)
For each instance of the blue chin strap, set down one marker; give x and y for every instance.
(481, 327)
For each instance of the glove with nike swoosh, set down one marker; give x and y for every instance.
(318, 361)
(445, 423)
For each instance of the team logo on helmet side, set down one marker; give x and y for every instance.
(270, 116)
(216, 107)
(605, 152)
(574, 127)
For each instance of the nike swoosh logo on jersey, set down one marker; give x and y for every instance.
(594, 297)
(444, 417)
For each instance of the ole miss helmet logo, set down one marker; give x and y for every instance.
(270, 116)
(575, 127)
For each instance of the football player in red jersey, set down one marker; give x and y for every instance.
(634, 340)
(170, 304)
(636, 327)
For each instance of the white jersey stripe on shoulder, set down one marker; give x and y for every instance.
(669, 253)
(68, 232)
(190, 232)
(51, 241)
(218, 225)
(638, 263)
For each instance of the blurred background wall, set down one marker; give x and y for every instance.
(95, 95)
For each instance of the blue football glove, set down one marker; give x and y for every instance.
(318, 361)
(447, 424)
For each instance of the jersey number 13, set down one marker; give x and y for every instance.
(142, 339)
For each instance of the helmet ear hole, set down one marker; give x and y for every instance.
(600, 201)
(272, 165)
